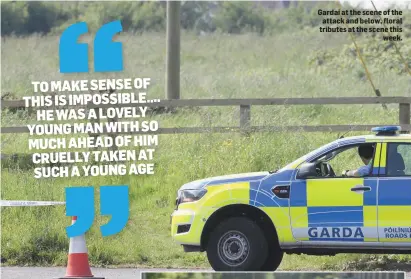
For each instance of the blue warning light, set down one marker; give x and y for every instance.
(386, 130)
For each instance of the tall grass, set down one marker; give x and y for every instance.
(213, 66)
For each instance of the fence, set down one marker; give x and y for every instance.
(245, 113)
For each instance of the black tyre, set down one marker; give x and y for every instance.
(237, 244)
(273, 261)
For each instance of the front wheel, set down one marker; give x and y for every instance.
(237, 244)
(273, 261)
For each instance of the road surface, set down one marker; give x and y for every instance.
(59, 272)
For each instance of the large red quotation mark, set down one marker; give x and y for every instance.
(108, 55)
(113, 201)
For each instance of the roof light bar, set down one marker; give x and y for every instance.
(386, 130)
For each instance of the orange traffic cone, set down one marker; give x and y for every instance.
(78, 266)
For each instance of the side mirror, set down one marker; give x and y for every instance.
(307, 170)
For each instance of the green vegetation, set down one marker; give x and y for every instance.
(375, 51)
(216, 65)
(25, 18)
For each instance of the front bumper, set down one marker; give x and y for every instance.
(186, 227)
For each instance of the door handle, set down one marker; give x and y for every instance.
(359, 188)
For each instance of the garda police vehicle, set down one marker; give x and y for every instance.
(248, 221)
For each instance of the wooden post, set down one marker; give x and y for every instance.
(173, 50)
(245, 117)
(405, 115)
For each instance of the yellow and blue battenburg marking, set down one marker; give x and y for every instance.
(328, 209)
(394, 209)
(334, 215)
(369, 209)
(261, 194)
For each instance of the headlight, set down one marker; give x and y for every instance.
(190, 195)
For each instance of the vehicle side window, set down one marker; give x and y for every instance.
(335, 162)
(346, 160)
(399, 159)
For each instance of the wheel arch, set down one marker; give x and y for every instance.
(240, 210)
